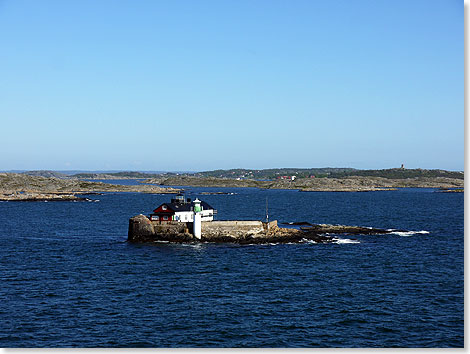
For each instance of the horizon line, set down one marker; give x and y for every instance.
(217, 169)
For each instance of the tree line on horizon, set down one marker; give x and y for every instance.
(268, 174)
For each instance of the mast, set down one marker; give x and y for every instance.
(267, 215)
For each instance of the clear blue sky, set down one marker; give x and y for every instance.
(198, 85)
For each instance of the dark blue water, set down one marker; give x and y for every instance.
(70, 279)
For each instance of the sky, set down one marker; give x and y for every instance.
(201, 85)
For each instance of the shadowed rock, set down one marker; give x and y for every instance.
(345, 230)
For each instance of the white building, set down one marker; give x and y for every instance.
(182, 210)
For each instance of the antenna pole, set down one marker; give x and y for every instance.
(267, 215)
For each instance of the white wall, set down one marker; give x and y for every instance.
(184, 216)
(207, 215)
(187, 216)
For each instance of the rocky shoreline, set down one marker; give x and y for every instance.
(451, 190)
(142, 230)
(22, 187)
(40, 197)
(346, 184)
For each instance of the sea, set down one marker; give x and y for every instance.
(69, 278)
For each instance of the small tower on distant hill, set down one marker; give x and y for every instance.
(402, 166)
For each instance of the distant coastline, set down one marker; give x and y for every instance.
(55, 186)
(346, 184)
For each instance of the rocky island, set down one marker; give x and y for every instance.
(183, 220)
(142, 229)
(23, 187)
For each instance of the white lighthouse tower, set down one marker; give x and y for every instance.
(197, 219)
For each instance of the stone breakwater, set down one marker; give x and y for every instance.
(141, 229)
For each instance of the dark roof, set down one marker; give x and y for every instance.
(184, 206)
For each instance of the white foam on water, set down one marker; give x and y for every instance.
(409, 233)
(345, 240)
(308, 241)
